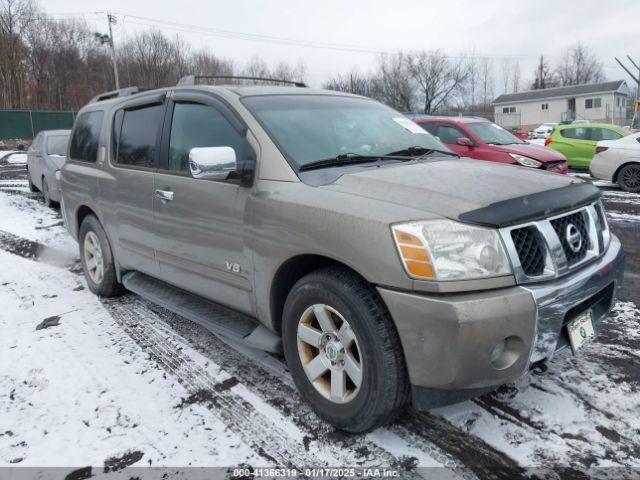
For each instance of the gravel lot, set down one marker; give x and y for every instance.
(109, 384)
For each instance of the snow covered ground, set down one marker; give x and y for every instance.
(85, 382)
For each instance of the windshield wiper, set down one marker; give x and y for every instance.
(421, 152)
(348, 159)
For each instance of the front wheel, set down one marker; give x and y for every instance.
(47, 195)
(629, 178)
(97, 259)
(343, 350)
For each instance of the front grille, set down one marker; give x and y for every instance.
(561, 225)
(530, 250)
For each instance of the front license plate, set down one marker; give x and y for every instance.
(580, 330)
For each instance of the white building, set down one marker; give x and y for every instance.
(599, 102)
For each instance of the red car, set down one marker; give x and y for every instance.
(483, 140)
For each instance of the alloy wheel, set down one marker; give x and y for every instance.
(330, 353)
(93, 257)
(631, 177)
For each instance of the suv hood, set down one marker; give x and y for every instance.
(468, 190)
(537, 152)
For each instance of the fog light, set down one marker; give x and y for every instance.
(506, 352)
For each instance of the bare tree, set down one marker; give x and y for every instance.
(391, 83)
(438, 78)
(544, 76)
(353, 82)
(579, 65)
(15, 18)
(256, 67)
(204, 62)
(292, 73)
(486, 82)
(511, 78)
(151, 59)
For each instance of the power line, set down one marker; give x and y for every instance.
(235, 35)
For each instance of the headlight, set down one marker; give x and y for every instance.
(526, 161)
(448, 250)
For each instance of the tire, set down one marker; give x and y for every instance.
(45, 193)
(383, 389)
(629, 178)
(32, 187)
(94, 244)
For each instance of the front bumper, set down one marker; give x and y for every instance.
(448, 340)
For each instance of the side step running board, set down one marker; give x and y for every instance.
(214, 317)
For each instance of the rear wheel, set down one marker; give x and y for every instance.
(97, 259)
(629, 178)
(343, 350)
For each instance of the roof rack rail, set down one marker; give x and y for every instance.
(123, 92)
(195, 80)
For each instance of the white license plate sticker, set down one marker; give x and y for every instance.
(580, 330)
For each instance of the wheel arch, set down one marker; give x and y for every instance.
(81, 213)
(289, 273)
(630, 162)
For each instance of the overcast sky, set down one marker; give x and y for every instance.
(523, 29)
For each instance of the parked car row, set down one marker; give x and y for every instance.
(45, 157)
(478, 138)
(577, 142)
(378, 255)
(618, 161)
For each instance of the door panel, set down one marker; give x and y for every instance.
(200, 239)
(128, 191)
(200, 225)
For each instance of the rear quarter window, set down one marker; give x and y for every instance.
(574, 133)
(86, 135)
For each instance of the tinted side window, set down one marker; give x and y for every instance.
(196, 125)
(432, 128)
(136, 142)
(605, 134)
(449, 134)
(575, 133)
(84, 144)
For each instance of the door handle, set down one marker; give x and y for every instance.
(166, 195)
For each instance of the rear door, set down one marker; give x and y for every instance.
(201, 226)
(126, 193)
(574, 143)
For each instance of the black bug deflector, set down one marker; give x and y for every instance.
(535, 206)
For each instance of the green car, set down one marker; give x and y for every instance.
(578, 141)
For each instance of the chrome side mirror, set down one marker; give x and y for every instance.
(212, 163)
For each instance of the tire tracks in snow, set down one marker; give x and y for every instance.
(431, 438)
(454, 448)
(157, 338)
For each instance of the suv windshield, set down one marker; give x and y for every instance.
(57, 145)
(308, 128)
(494, 134)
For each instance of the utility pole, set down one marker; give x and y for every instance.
(111, 19)
(634, 120)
